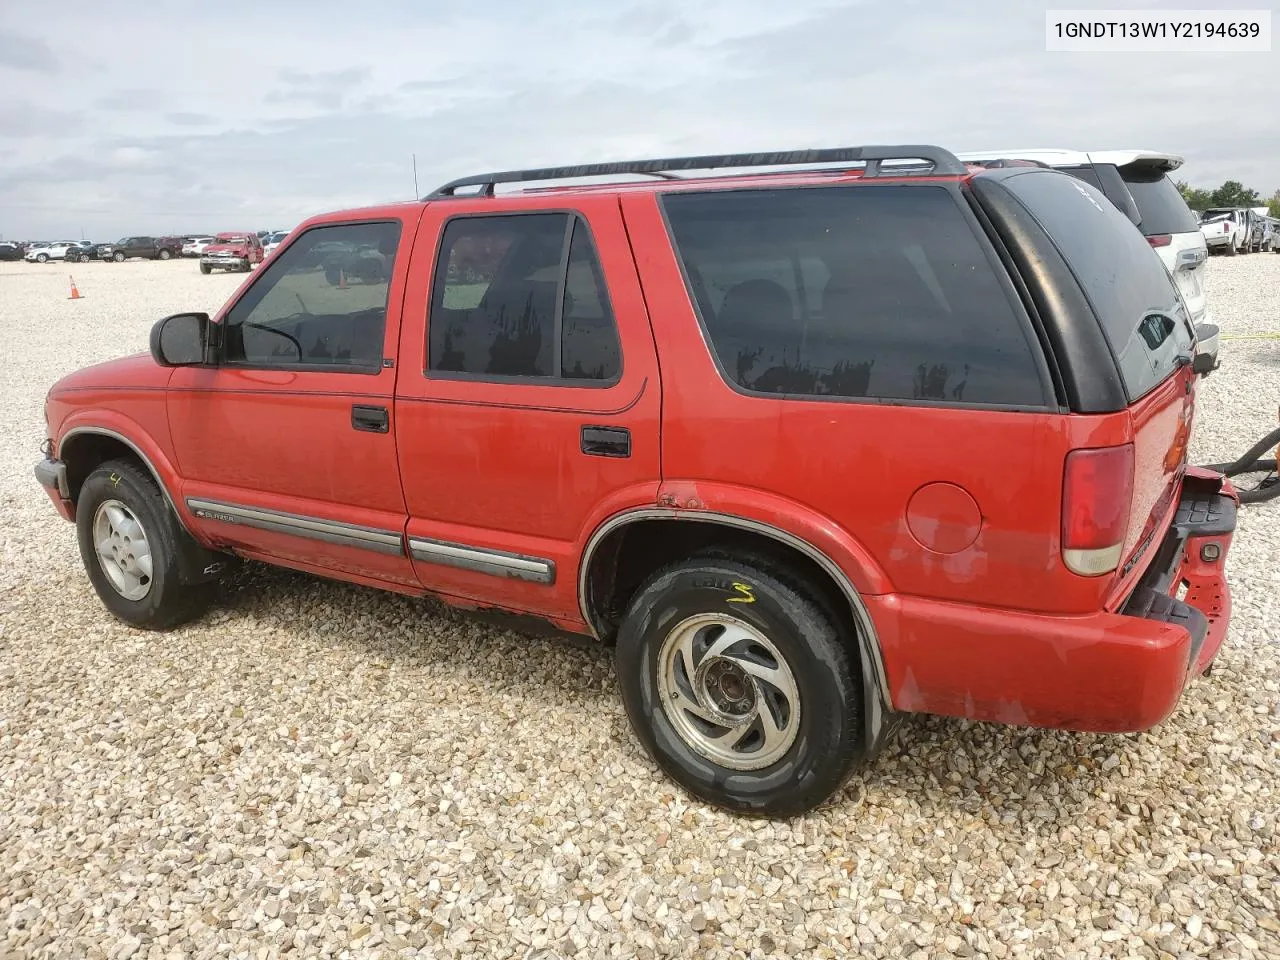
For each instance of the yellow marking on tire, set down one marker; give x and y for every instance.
(746, 594)
(115, 479)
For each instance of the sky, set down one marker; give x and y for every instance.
(135, 117)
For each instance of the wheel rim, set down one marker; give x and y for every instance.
(728, 692)
(124, 553)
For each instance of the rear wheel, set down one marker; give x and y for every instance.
(739, 684)
(128, 542)
(165, 254)
(1231, 250)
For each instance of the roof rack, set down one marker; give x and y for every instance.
(941, 162)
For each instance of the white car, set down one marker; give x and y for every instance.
(44, 252)
(195, 247)
(273, 240)
(1226, 229)
(1137, 182)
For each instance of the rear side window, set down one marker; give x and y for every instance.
(1161, 205)
(881, 292)
(1126, 283)
(522, 296)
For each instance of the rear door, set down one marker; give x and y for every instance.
(528, 400)
(1145, 323)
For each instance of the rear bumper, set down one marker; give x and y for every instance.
(52, 475)
(1107, 672)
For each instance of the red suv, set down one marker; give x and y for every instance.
(810, 447)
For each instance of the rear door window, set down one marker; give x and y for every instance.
(1161, 205)
(869, 291)
(1142, 315)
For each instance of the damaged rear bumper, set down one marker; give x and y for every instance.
(1113, 671)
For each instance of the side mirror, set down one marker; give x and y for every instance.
(1205, 360)
(181, 340)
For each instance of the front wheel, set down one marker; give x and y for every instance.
(738, 682)
(118, 257)
(205, 268)
(42, 258)
(129, 546)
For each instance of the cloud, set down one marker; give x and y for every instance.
(494, 87)
(26, 53)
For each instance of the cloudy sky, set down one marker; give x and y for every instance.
(131, 117)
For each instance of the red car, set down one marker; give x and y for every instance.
(811, 448)
(232, 251)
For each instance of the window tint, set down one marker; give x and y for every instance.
(1127, 284)
(323, 302)
(1085, 173)
(852, 291)
(1161, 205)
(522, 296)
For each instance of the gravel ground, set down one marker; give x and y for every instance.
(324, 769)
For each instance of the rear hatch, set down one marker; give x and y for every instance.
(1171, 229)
(1148, 330)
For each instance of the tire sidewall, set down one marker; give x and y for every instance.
(121, 484)
(830, 696)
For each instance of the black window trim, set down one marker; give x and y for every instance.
(1034, 345)
(362, 369)
(575, 217)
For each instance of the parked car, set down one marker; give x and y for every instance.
(44, 252)
(273, 240)
(1225, 229)
(10, 251)
(810, 449)
(150, 248)
(196, 246)
(232, 251)
(81, 252)
(1137, 183)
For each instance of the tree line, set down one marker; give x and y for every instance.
(1231, 194)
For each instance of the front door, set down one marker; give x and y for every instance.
(287, 448)
(529, 399)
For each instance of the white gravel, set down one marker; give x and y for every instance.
(324, 769)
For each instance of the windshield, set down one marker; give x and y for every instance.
(230, 237)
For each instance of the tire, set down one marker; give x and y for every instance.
(704, 598)
(164, 255)
(118, 257)
(120, 496)
(1231, 250)
(42, 258)
(205, 269)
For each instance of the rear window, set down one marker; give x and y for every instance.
(1142, 315)
(1161, 205)
(880, 292)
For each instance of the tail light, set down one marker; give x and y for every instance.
(1160, 239)
(1097, 494)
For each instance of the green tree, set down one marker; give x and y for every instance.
(1196, 198)
(1233, 194)
(1273, 205)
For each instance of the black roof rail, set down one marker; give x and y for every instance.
(940, 162)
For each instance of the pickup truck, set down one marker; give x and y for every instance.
(809, 450)
(233, 251)
(150, 248)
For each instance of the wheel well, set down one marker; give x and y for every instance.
(626, 557)
(85, 452)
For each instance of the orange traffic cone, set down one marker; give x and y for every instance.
(75, 294)
(342, 279)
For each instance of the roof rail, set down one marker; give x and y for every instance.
(940, 162)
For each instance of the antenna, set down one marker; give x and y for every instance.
(415, 176)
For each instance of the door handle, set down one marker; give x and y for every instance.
(370, 419)
(606, 441)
